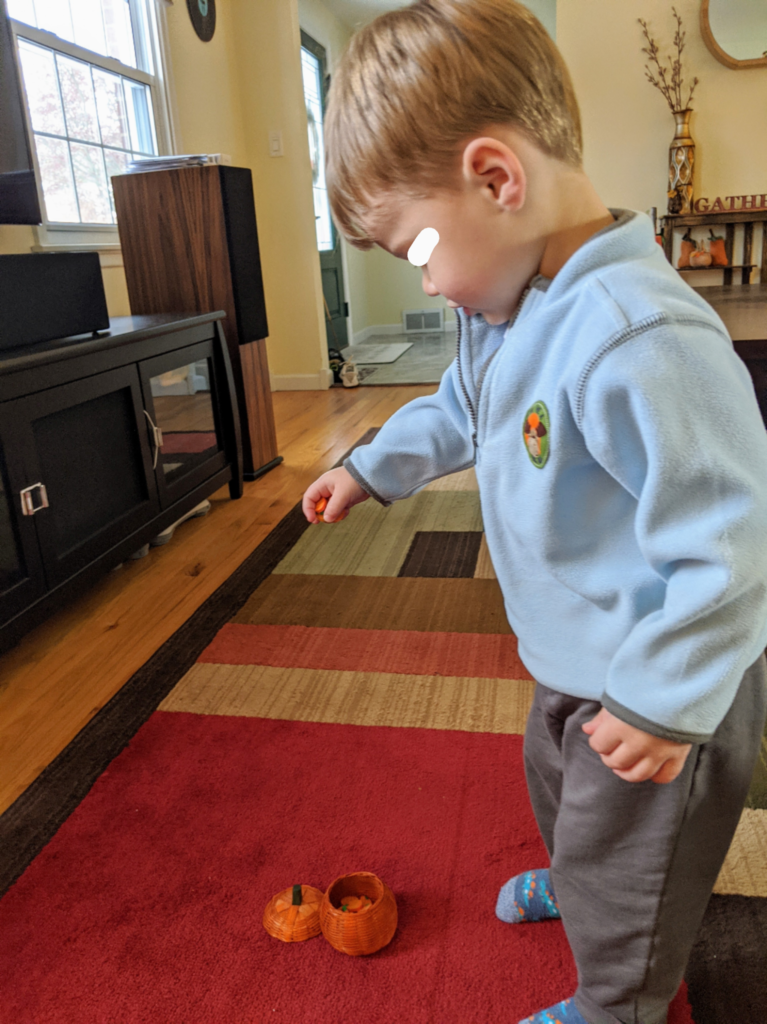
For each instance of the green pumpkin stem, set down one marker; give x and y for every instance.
(297, 896)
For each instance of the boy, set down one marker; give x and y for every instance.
(622, 468)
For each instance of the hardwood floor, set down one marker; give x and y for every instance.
(63, 672)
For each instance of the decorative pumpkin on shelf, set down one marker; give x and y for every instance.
(700, 257)
(689, 245)
(294, 914)
(717, 250)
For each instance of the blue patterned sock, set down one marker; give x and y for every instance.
(527, 897)
(565, 1012)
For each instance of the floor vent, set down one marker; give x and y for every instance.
(415, 320)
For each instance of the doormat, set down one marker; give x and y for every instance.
(376, 353)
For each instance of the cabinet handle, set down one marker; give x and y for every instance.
(28, 507)
(156, 438)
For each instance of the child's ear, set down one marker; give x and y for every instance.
(488, 164)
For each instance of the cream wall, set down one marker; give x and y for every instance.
(230, 94)
(206, 106)
(15, 238)
(396, 285)
(627, 124)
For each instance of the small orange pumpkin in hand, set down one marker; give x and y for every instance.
(319, 510)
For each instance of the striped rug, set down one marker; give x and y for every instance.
(373, 646)
(425, 642)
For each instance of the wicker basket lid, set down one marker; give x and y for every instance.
(294, 914)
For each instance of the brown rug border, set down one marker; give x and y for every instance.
(36, 815)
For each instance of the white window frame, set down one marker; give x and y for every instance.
(150, 14)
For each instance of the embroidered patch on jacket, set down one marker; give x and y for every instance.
(535, 431)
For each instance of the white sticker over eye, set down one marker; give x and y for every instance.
(420, 251)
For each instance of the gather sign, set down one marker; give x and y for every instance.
(734, 203)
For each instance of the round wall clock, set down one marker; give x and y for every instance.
(203, 15)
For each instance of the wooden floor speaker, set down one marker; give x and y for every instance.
(190, 245)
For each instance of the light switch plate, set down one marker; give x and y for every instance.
(275, 143)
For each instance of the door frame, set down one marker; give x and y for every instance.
(331, 260)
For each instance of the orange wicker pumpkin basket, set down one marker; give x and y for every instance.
(367, 930)
(293, 914)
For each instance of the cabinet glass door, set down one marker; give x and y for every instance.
(12, 567)
(182, 402)
(21, 575)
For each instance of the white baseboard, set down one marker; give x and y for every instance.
(319, 381)
(368, 332)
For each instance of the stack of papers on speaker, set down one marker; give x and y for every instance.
(167, 163)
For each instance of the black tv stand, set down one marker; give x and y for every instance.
(104, 443)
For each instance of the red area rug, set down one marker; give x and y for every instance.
(146, 906)
(491, 655)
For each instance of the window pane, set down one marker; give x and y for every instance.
(103, 26)
(56, 174)
(79, 101)
(89, 25)
(116, 163)
(140, 117)
(22, 10)
(310, 68)
(117, 24)
(91, 182)
(55, 16)
(88, 122)
(39, 73)
(110, 104)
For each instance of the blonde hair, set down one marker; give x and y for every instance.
(420, 80)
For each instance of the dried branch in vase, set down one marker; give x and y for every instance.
(668, 77)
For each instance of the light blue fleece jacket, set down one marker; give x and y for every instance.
(633, 561)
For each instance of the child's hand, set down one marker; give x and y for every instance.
(341, 490)
(632, 754)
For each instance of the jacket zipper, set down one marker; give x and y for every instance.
(464, 389)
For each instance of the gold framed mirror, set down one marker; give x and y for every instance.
(735, 31)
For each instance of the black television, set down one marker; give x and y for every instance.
(19, 200)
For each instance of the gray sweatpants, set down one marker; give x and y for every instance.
(633, 864)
